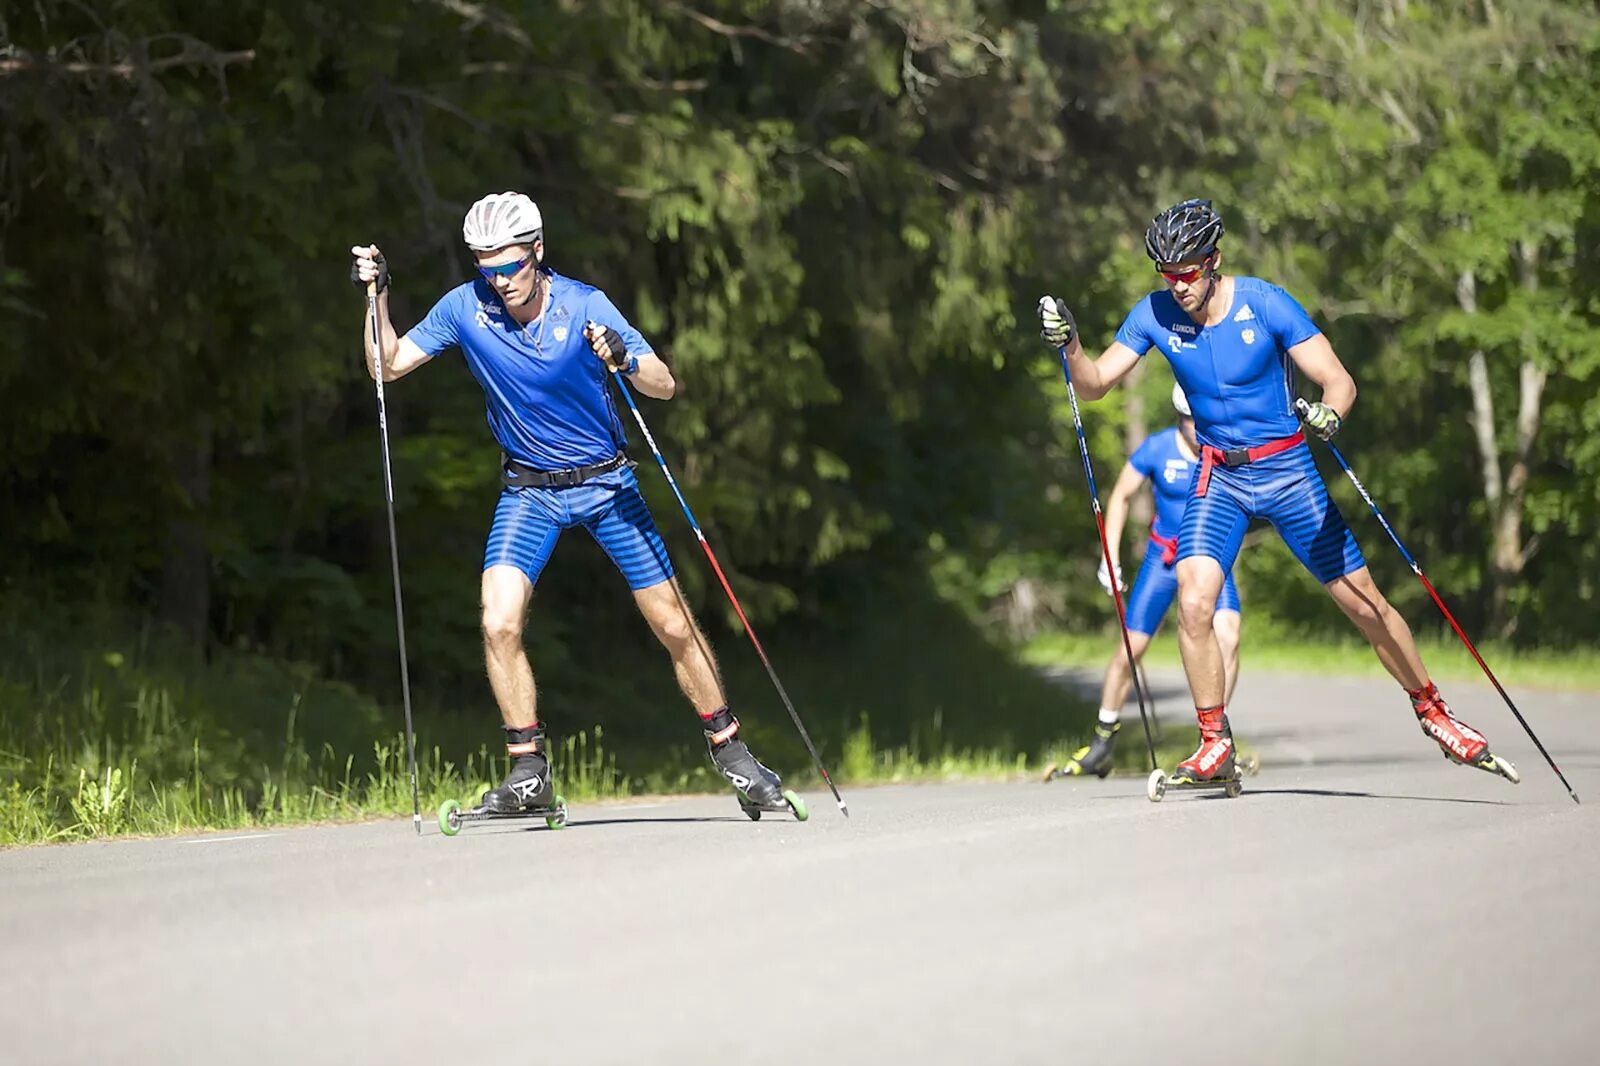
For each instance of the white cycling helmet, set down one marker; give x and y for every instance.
(501, 219)
(1180, 402)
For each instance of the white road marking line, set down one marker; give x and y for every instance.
(224, 840)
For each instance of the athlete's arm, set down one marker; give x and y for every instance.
(1093, 378)
(645, 371)
(1128, 483)
(1315, 358)
(400, 355)
(654, 377)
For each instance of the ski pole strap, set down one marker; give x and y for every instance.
(1169, 547)
(1232, 457)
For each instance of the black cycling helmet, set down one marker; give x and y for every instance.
(1183, 231)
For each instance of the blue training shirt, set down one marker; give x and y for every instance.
(547, 399)
(1161, 459)
(1237, 374)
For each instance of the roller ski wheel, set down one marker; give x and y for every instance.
(1249, 765)
(1158, 783)
(449, 818)
(1093, 759)
(792, 804)
(1489, 762)
(1504, 767)
(452, 818)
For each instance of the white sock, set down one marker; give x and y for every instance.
(1109, 716)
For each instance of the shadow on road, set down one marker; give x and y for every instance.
(590, 823)
(1335, 793)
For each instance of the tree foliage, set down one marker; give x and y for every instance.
(834, 217)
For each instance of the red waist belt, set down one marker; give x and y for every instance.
(1210, 456)
(1169, 547)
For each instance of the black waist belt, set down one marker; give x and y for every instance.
(518, 475)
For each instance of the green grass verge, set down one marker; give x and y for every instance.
(1263, 648)
(108, 729)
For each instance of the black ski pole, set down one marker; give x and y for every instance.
(394, 556)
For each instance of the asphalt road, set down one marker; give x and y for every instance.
(1363, 902)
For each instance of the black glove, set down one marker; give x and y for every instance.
(608, 345)
(383, 271)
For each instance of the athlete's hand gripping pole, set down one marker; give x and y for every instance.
(1303, 408)
(1061, 336)
(394, 555)
(627, 394)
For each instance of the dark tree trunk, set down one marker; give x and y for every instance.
(186, 565)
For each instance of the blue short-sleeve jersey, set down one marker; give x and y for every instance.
(1237, 374)
(547, 399)
(1162, 460)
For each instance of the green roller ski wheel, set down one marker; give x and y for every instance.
(559, 820)
(797, 805)
(449, 823)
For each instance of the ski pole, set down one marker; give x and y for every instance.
(1301, 406)
(1105, 548)
(627, 394)
(394, 556)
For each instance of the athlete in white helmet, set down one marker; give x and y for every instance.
(543, 346)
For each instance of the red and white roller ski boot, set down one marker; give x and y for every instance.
(1214, 764)
(1456, 739)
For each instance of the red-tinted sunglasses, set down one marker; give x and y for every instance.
(1184, 277)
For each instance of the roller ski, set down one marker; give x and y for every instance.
(1094, 758)
(527, 792)
(1459, 742)
(758, 788)
(1214, 766)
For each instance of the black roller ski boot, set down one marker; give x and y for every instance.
(759, 788)
(527, 792)
(1094, 758)
(528, 785)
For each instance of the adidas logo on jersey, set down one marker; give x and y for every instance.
(1245, 314)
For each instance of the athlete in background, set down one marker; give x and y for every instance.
(1168, 460)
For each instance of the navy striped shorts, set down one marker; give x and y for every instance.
(529, 521)
(1286, 490)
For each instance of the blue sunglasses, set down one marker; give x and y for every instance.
(505, 270)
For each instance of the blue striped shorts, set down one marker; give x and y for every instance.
(529, 521)
(1286, 490)
(1155, 587)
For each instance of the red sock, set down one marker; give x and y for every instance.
(1420, 695)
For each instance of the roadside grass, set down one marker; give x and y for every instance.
(1265, 648)
(111, 729)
